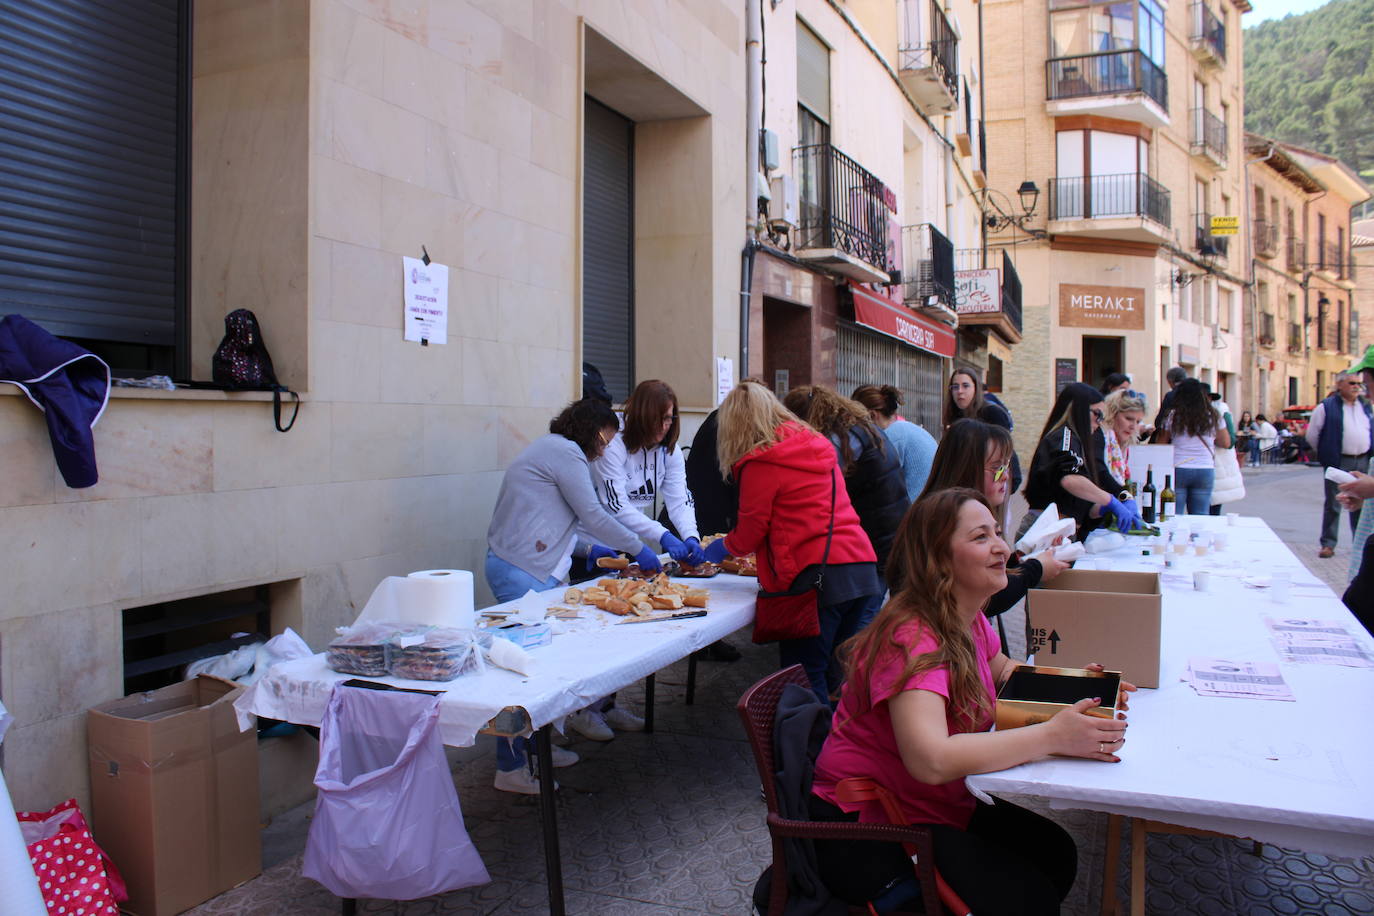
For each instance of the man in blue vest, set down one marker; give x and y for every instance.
(1340, 432)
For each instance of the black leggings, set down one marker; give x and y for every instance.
(1009, 861)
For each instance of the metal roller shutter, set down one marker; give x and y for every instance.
(608, 247)
(863, 357)
(92, 176)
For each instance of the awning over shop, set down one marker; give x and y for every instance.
(902, 323)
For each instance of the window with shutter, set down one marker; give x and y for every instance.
(608, 247)
(813, 73)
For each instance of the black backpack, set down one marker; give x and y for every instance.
(242, 363)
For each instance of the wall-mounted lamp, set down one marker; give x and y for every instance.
(1001, 219)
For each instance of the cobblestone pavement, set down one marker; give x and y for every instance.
(672, 823)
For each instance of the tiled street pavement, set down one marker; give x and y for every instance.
(673, 823)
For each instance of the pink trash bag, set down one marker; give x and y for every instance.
(387, 821)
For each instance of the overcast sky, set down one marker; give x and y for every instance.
(1277, 9)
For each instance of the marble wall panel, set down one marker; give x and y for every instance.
(376, 441)
(347, 202)
(29, 477)
(46, 763)
(327, 523)
(406, 17)
(465, 35)
(459, 439)
(146, 448)
(349, 371)
(412, 374)
(366, 283)
(474, 305)
(58, 665)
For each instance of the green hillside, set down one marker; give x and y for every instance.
(1309, 80)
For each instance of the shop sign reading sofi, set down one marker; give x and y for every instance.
(1120, 307)
(977, 291)
(902, 323)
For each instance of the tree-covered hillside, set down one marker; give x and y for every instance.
(1309, 80)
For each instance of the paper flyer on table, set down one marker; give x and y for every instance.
(1317, 642)
(1218, 677)
(426, 301)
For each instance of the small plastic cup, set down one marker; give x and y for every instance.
(1232, 518)
(1278, 586)
(1202, 580)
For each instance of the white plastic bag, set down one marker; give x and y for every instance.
(1103, 541)
(387, 820)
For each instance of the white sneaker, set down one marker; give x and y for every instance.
(519, 780)
(622, 720)
(589, 724)
(563, 757)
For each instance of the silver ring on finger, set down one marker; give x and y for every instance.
(1102, 747)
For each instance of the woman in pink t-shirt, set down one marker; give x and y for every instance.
(915, 715)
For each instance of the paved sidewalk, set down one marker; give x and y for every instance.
(672, 823)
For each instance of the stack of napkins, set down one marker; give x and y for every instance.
(1317, 642)
(1218, 677)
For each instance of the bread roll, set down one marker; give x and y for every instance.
(666, 602)
(697, 597)
(572, 596)
(617, 606)
(613, 562)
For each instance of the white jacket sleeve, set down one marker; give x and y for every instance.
(677, 497)
(613, 469)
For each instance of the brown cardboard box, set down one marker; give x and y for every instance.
(1035, 694)
(174, 793)
(1086, 616)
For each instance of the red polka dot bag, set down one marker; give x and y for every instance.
(74, 874)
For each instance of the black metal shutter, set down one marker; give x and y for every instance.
(608, 247)
(92, 152)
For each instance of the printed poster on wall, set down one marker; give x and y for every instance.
(426, 301)
(1119, 307)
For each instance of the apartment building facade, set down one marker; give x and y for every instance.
(873, 166)
(1306, 323)
(1125, 118)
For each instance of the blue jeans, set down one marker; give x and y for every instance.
(509, 582)
(1193, 489)
(817, 653)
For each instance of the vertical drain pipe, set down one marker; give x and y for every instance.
(753, 117)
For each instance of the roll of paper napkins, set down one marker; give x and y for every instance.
(439, 597)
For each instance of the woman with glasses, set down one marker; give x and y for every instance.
(1070, 473)
(545, 499)
(1196, 432)
(968, 400)
(977, 456)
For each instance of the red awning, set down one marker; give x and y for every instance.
(902, 323)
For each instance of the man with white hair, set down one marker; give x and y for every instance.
(1340, 433)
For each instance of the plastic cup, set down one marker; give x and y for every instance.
(1232, 517)
(1278, 586)
(1202, 580)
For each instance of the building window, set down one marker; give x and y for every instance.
(1228, 303)
(1103, 174)
(95, 177)
(1077, 28)
(608, 304)
(993, 382)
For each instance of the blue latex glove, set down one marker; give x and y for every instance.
(1127, 515)
(674, 548)
(648, 560)
(715, 551)
(596, 553)
(695, 555)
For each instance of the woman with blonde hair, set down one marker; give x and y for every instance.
(915, 715)
(1122, 413)
(796, 517)
(872, 471)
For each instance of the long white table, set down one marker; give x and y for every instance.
(1296, 774)
(588, 659)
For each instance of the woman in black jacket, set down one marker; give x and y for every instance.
(872, 471)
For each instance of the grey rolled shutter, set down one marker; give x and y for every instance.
(608, 247)
(92, 151)
(813, 73)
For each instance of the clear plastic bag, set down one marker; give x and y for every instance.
(442, 654)
(387, 821)
(365, 648)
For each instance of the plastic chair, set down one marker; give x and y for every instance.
(757, 709)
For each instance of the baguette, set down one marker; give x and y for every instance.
(572, 596)
(671, 602)
(616, 606)
(696, 597)
(613, 562)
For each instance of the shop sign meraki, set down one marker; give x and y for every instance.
(1120, 307)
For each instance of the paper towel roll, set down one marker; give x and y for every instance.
(442, 597)
(20, 895)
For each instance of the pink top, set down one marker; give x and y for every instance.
(863, 743)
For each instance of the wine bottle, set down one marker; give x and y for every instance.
(1166, 500)
(1147, 496)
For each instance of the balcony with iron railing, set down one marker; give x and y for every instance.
(1296, 255)
(1207, 35)
(1208, 135)
(1121, 84)
(1266, 329)
(1266, 236)
(1337, 261)
(843, 216)
(1128, 206)
(928, 57)
(928, 271)
(1204, 242)
(1294, 337)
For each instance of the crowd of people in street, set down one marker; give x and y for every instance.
(884, 571)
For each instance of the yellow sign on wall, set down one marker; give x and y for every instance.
(1225, 225)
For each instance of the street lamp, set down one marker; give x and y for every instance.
(1001, 219)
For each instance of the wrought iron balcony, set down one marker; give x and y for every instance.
(1297, 254)
(1266, 329)
(1207, 35)
(929, 58)
(927, 269)
(843, 220)
(1205, 242)
(1333, 261)
(1294, 337)
(1266, 236)
(1011, 292)
(1109, 196)
(1208, 135)
(1107, 73)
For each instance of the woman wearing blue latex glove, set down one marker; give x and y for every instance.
(648, 560)
(695, 555)
(674, 547)
(1125, 512)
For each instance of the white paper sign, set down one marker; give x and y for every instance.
(725, 377)
(426, 301)
(977, 290)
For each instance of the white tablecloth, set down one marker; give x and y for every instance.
(596, 656)
(1297, 774)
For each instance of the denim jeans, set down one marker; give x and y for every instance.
(817, 653)
(1193, 490)
(509, 582)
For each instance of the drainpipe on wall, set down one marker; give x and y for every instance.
(753, 117)
(982, 131)
(1247, 192)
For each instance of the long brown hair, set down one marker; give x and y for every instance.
(749, 418)
(963, 453)
(975, 407)
(884, 399)
(644, 416)
(832, 414)
(926, 600)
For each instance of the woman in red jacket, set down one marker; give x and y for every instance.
(788, 476)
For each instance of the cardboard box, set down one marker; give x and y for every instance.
(1085, 616)
(174, 793)
(1034, 694)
